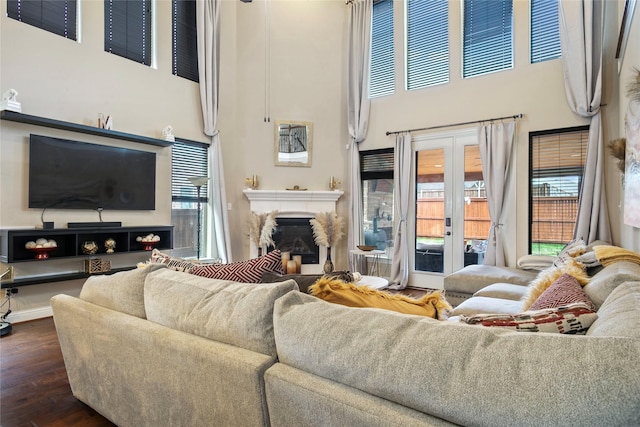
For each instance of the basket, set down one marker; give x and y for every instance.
(96, 265)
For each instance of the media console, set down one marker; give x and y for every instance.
(69, 245)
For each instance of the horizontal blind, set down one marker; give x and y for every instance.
(427, 43)
(185, 40)
(488, 36)
(381, 77)
(376, 164)
(545, 33)
(56, 16)
(127, 29)
(188, 160)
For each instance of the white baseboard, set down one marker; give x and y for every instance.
(30, 314)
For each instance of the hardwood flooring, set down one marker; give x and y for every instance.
(34, 390)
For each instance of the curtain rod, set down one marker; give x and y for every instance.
(517, 116)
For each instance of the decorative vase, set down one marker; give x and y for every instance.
(328, 264)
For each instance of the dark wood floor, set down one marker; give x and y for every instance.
(34, 390)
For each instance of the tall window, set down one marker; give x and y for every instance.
(545, 34)
(185, 40)
(55, 16)
(427, 43)
(188, 159)
(488, 36)
(556, 168)
(381, 78)
(376, 172)
(127, 29)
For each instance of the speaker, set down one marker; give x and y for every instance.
(47, 225)
(107, 224)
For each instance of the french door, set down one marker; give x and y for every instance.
(450, 206)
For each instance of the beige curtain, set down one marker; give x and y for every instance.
(402, 172)
(208, 32)
(358, 111)
(495, 142)
(581, 39)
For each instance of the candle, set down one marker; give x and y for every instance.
(285, 258)
(291, 267)
(298, 261)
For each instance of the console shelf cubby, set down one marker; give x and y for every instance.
(69, 241)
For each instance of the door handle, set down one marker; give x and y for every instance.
(448, 233)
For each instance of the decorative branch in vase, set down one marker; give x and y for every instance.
(261, 228)
(327, 231)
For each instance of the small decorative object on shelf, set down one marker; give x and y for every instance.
(89, 247)
(9, 101)
(286, 256)
(298, 260)
(110, 246)
(148, 241)
(252, 182)
(296, 188)
(41, 247)
(105, 123)
(334, 183)
(96, 265)
(167, 134)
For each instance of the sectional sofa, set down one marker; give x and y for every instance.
(157, 347)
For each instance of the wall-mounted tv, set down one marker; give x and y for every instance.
(65, 174)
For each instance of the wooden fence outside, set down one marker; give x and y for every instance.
(556, 218)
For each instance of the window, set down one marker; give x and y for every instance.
(427, 43)
(488, 36)
(188, 160)
(58, 17)
(545, 34)
(556, 167)
(185, 40)
(376, 173)
(127, 29)
(381, 78)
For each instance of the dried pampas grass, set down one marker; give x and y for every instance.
(633, 88)
(327, 228)
(261, 227)
(617, 148)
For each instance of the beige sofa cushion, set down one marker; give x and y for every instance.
(502, 290)
(619, 316)
(610, 277)
(239, 314)
(484, 305)
(123, 291)
(465, 374)
(475, 277)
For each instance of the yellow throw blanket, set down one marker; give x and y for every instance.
(611, 254)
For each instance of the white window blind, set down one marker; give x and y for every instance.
(488, 36)
(56, 16)
(381, 77)
(545, 34)
(427, 43)
(127, 29)
(188, 160)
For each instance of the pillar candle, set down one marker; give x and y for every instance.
(298, 260)
(285, 258)
(291, 267)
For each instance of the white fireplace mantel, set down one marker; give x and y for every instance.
(291, 204)
(288, 202)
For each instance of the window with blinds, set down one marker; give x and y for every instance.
(185, 40)
(556, 168)
(127, 29)
(488, 36)
(376, 173)
(56, 16)
(381, 77)
(188, 160)
(545, 33)
(427, 43)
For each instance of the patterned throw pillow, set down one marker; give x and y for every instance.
(565, 290)
(249, 271)
(177, 264)
(569, 319)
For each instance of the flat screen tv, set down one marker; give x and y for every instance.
(66, 174)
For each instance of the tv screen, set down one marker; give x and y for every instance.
(66, 174)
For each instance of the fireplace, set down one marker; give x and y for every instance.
(295, 209)
(295, 235)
